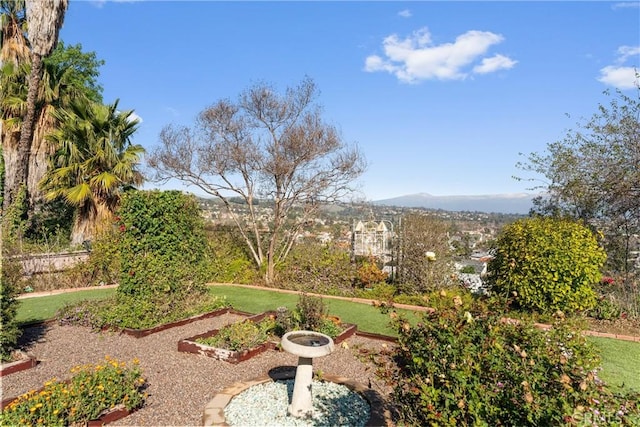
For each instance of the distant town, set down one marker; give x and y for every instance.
(470, 232)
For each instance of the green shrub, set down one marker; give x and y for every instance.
(229, 262)
(92, 390)
(311, 314)
(455, 368)
(163, 245)
(10, 286)
(547, 264)
(379, 291)
(103, 265)
(312, 267)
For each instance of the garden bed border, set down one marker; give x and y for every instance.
(189, 345)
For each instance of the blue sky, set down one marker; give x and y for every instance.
(441, 97)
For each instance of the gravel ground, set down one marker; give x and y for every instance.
(180, 384)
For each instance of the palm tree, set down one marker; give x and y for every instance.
(44, 19)
(94, 163)
(68, 73)
(15, 47)
(14, 52)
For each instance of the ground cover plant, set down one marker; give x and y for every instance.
(91, 391)
(241, 336)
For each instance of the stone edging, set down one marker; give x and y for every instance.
(213, 414)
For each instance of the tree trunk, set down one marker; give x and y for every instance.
(41, 150)
(26, 134)
(91, 219)
(269, 275)
(10, 140)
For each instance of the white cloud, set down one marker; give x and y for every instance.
(406, 13)
(619, 75)
(416, 58)
(626, 52)
(495, 63)
(626, 5)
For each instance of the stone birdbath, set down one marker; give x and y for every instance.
(306, 345)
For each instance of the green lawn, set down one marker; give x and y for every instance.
(620, 359)
(620, 362)
(37, 309)
(367, 317)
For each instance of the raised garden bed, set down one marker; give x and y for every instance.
(190, 345)
(19, 365)
(140, 333)
(109, 416)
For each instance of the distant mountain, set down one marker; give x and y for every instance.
(518, 203)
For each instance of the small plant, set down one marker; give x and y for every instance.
(92, 391)
(468, 269)
(241, 336)
(369, 273)
(311, 312)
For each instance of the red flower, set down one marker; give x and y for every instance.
(606, 280)
(122, 228)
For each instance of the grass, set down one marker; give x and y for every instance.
(367, 317)
(37, 309)
(620, 359)
(620, 362)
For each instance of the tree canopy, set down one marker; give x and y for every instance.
(269, 146)
(593, 174)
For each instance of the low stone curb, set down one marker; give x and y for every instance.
(213, 414)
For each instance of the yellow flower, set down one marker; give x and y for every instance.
(136, 361)
(32, 409)
(55, 412)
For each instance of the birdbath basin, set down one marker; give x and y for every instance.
(306, 345)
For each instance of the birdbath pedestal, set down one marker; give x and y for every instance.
(306, 345)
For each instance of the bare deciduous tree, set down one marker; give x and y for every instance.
(266, 147)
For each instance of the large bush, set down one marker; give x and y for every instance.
(460, 369)
(229, 261)
(318, 268)
(163, 259)
(163, 246)
(547, 264)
